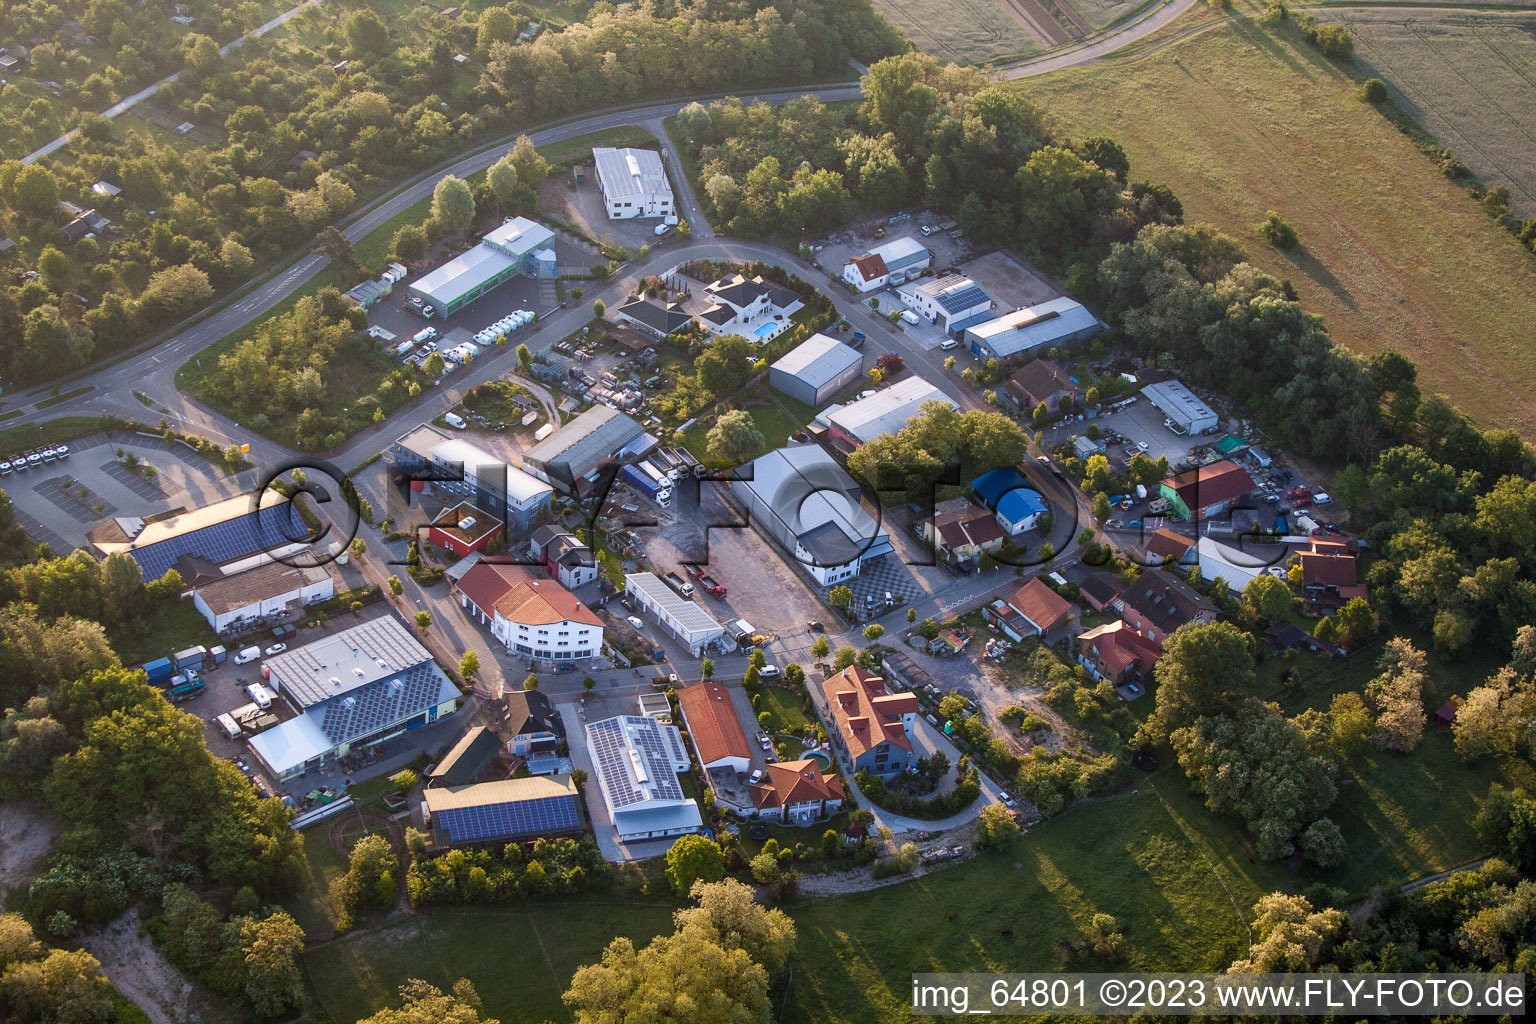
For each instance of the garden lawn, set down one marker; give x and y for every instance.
(784, 706)
(1392, 253)
(162, 627)
(776, 419)
(520, 958)
(1125, 856)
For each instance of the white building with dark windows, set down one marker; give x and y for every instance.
(637, 760)
(952, 302)
(634, 183)
(453, 467)
(532, 617)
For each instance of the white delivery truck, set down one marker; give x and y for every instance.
(248, 655)
(454, 420)
(230, 727)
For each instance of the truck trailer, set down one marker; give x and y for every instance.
(159, 671)
(649, 481)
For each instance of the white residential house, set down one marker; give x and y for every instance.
(754, 308)
(899, 260)
(532, 617)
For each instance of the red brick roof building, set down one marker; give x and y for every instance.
(797, 792)
(712, 722)
(1116, 652)
(873, 726)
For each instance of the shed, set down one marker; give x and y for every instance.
(816, 370)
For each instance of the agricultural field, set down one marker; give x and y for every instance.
(1468, 77)
(1101, 14)
(962, 31)
(1393, 254)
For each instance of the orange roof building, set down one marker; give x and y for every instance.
(1206, 490)
(1043, 608)
(797, 792)
(1116, 652)
(533, 617)
(873, 725)
(1328, 575)
(712, 721)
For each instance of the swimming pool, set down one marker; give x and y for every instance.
(818, 755)
(767, 330)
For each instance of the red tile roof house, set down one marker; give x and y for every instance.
(964, 534)
(1206, 491)
(1116, 652)
(1042, 381)
(1041, 612)
(1328, 577)
(871, 726)
(535, 618)
(796, 792)
(714, 727)
(464, 528)
(1158, 603)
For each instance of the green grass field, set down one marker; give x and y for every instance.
(1239, 120)
(1101, 14)
(963, 31)
(1469, 77)
(519, 958)
(776, 419)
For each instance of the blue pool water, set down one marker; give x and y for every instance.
(766, 329)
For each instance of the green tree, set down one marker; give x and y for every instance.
(422, 1003)
(1266, 597)
(524, 358)
(122, 581)
(1102, 509)
(235, 258)
(501, 179)
(821, 646)
(725, 365)
(54, 267)
(694, 859)
(366, 34)
(995, 827)
(841, 598)
(1205, 667)
(410, 242)
(1274, 230)
(707, 668)
(423, 620)
(469, 665)
(531, 682)
(843, 657)
(496, 25)
(1373, 91)
(911, 615)
(274, 982)
(396, 586)
(435, 365)
(874, 631)
(599, 307)
(35, 190)
(453, 204)
(735, 438)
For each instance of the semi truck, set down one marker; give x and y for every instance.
(679, 584)
(649, 481)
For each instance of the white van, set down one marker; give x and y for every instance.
(260, 695)
(230, 727)
(248, 655)
(910, 317)
(454, 420)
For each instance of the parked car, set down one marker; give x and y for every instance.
(755, 777)
(949, 343)
(662, 229)
(769, 672)
(276, 649)
(635, 621)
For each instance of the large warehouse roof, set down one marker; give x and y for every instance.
(519, 236)
(689, 616)
(585, 441)
(1034, 326)
(637, 760)
(818, 359)
(887, 411)
(367, 653)
(627, 173)
(818, 503)
(1175, 399)
(463, 274)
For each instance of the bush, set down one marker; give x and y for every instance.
(1334, 40)
(1373, 90)
(1274, 230)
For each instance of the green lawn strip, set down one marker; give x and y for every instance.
(61, 430)
(312, 906)
(1125, 856)
(65, 396)
(784, 706)
(776, 418)
(520, 958)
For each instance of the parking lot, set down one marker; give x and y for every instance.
(50, 506)
(949, 248)
(761, 586)
(583, 205)
(1141, 423)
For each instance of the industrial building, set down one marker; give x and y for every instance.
(1206, 490)
(503, 811)
(637, 760)
(519, 247)
(952, 302)
(1057, 322)
(569, 458)
(452, 467)
(266, 591)
(809, 505)
(1182, 407)
(211, 542)
(634, 183)
(900, 259)
(884, 412)
(713, 725)
(351, 689)
(674, 613)
(816, 370)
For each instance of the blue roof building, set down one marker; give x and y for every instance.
(1014, 503)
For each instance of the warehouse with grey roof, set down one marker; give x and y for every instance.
(816, 370)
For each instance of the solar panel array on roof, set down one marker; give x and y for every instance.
(954, 300)
(518, 817)
(376, 705)
(612, 741)
(275, 526)
(347, 661)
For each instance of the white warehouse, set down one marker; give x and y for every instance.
(634, 183)
(1182, 407)
(677, 615)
